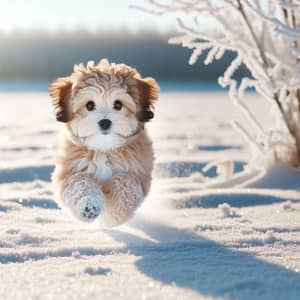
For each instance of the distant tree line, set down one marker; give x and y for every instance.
(42, 55)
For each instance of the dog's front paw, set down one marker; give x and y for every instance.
(121, 206)
(88, 208)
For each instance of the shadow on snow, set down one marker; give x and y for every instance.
(6, 258)
(33, 203)
(212, 200)
(185, 169)
(193, 262)
(26, 174)
(171, 170)
(176, 256)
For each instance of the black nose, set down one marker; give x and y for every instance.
(104, 123)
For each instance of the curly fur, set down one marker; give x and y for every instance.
(96, 173)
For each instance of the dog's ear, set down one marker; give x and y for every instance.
(61, 91)
(148, 94)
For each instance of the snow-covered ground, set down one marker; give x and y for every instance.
(186, 242)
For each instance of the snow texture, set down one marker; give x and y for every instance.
(179, 245)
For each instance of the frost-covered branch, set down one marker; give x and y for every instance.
(265, 35)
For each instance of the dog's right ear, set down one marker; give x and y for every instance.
(61, 92)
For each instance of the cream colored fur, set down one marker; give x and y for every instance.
(103, 173)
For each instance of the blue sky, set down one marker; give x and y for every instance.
(53, 14)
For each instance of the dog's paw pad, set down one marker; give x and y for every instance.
(90, 212)
(88, 208)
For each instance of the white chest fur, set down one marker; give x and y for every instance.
(97, 167)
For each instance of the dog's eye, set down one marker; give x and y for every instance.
(118, 105)
(90, 105)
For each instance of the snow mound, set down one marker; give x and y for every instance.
(227, 211)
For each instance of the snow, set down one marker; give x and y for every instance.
(227, 211)
(195, 237)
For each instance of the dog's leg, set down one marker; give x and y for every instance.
(83, 196)
(123, 195)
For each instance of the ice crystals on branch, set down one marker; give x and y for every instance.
(265, 35)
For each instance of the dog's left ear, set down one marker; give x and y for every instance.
(61, 92)
(148, 94)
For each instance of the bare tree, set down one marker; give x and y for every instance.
(265, 35)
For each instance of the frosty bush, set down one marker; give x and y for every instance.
(265, 35)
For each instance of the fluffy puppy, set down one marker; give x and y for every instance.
(105, 159)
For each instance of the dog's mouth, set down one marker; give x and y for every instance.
(110, 140)
(123, 136)
(105, 132)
